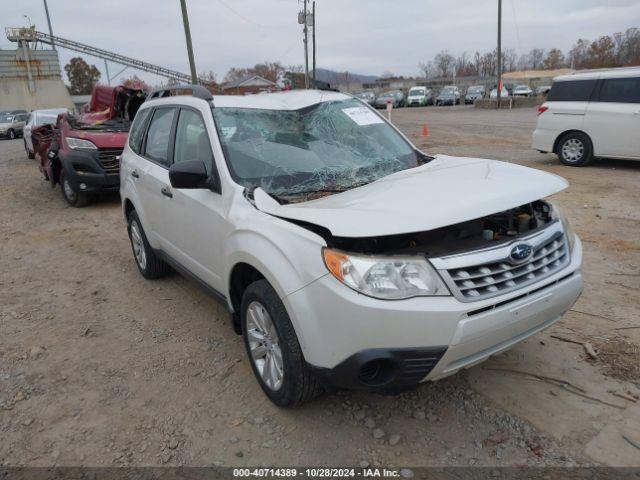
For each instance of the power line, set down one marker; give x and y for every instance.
(515, 22)
(245, 18)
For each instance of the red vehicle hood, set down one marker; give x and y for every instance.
(101, 139)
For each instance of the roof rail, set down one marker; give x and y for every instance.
(197, 91)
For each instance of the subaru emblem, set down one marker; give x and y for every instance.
(520, 252)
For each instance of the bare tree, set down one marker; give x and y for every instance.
(578, 55)
(602, 53)
(554, 59)
(444, 63)
(536, 57)
(509, 60)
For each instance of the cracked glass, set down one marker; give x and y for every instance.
(321, 149)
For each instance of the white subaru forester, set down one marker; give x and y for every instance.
(346, 257)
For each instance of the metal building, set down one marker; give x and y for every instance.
(31, 79)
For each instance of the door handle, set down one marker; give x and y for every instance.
(134, 174)
(166, 192)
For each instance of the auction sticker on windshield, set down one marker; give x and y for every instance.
(362, 115)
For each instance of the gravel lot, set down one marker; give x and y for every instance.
(100, 367)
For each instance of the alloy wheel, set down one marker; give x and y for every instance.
(138, 245)
(573, 150)
(264, 345)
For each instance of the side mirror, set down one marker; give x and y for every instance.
(190, 174)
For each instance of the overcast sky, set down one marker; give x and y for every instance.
(363, 36)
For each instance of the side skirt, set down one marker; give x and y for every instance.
(204, 285)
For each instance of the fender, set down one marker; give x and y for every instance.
(279, 267)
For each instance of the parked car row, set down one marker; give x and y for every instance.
(421, 96)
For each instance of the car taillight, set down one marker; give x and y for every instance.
(542, 109)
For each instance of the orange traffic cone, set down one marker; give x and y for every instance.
(425, 130)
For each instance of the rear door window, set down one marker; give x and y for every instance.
(137, 129)
(620, 90)
(157, 143)
(571, 91)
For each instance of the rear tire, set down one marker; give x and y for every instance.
(575, 149)
(273, 349)
(73, 197)
(148, 263)
(30, 154)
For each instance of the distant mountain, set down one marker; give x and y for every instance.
(333, 77)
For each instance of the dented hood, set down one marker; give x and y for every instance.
(446, 191)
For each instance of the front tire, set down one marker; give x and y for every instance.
(11, 134)
(148, 263)
(575, 149)
(73, 197)
(273, 348)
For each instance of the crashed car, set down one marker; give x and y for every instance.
(347, 257)
(82, 152)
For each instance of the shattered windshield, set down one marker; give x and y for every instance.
(324, 148)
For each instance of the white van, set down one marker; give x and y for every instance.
(594, 114)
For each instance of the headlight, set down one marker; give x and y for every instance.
(80, 144)
(557, 214)
(387, 278)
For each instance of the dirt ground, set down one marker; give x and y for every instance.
(101, 367)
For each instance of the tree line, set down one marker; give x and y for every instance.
(618, 50)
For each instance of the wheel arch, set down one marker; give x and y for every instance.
(556, 143)
(251, 256)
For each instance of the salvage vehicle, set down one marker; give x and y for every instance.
(474, 93)
(420, 97)
(82, 152)
(449, 95)
(303, 212)
(591, 115)
(37, 118)
(12, 124)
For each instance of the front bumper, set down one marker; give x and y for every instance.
(86, 173)
(341, 331)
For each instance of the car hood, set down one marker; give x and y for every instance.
(446, 191)
(5, 125)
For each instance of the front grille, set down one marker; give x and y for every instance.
(109, 159)
(496, 278)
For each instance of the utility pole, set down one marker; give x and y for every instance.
(46, 9)
(499, 51)
(187, 33)
(306, 46)
(314, 43)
